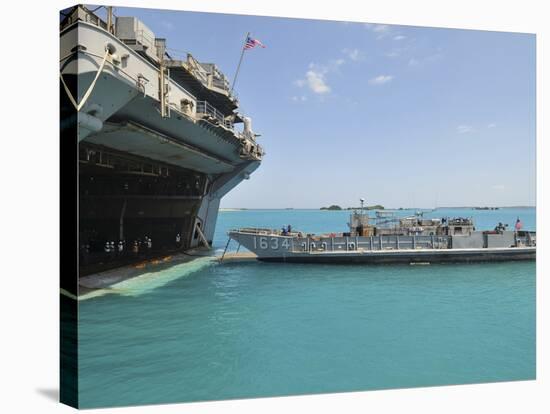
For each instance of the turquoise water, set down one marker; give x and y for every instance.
(259, 329)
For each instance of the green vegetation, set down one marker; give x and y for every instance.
(332, 207)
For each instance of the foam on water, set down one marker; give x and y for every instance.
(149, 281)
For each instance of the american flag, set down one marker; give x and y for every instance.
(252, 43)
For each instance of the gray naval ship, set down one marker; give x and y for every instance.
(387, 238)
(160, 139)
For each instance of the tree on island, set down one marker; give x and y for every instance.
(332, 207)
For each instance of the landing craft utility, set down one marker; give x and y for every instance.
(388, 239)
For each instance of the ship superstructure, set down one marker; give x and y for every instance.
(159, 142)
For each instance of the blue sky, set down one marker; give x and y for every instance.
(402, 116)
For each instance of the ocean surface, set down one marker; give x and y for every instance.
(210, 331)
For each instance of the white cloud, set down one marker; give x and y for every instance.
(353, 54)
(381, 79)
(464, 129)
(399, 37)
(315, 80)
(498, 187)
(315, 77)
(381, 30)
(378, 28)
(301, 98)
(492, 125)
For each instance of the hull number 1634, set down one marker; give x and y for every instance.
(273, 243)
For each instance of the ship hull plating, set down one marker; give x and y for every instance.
(412, 257)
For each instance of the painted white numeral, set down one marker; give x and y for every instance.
(285, 244)
(274, 243)
(263, 243)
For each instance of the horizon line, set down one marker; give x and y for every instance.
(385, 208)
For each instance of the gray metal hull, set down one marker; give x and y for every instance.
(272, 247)
(411, 257)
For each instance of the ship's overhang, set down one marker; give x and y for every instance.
(136, 139)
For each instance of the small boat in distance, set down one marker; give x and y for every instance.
(387, 238)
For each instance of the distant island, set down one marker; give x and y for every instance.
(332, 207)
(375, 207)
(335, 207)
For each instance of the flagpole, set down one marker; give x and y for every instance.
(240, 61)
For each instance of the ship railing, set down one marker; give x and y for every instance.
(92, 18)
(196, 69)
(84, 14)
(526, 239)
(220, 83)
(208, 75)
(256, 230)
(206, 110)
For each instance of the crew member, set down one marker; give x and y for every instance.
(518, 224)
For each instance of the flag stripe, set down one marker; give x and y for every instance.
(252, 43)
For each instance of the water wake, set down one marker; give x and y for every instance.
(146, 282)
